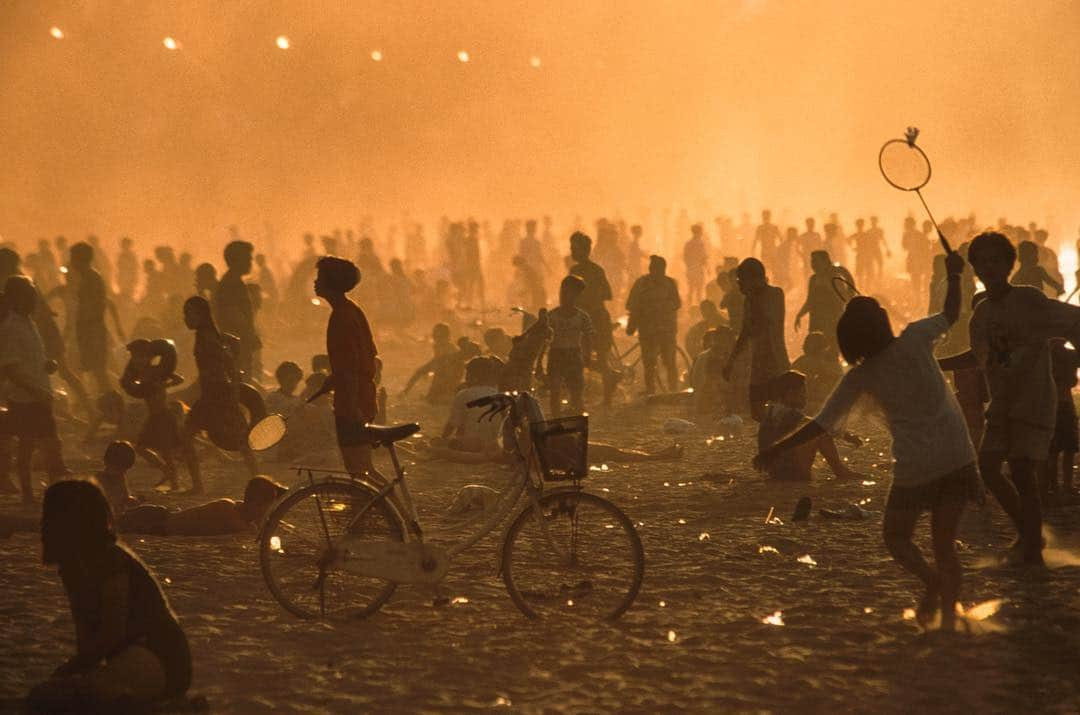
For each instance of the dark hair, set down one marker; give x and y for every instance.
(120, 454)
(197, 303)
(81, 252)
(262, 489)
(989, 241)
(572, 283)
(863, 330)
(784, 383)
(580, 241)
(659, 261)
(235, 250)
(1028, 249)
(75, 521)
(338, 273)
(9, 260)
(320, 362)
(751, 267)
(814, 342)
(288, 368)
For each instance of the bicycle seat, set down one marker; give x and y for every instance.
(377, 434)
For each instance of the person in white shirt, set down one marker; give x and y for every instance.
(24, 379)
(934, 459)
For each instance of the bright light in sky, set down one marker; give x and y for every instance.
(376, 55)
(463, 56)
(56, 32)
(170, 43)
(535, 61)
(282, 42)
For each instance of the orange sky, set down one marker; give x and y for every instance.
(708, 106)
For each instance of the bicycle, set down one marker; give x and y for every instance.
(341, 545)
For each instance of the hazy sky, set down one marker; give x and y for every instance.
(726, 105)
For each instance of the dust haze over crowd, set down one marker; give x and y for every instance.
(718, 107)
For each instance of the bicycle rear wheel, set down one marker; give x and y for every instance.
(297, 556)
(574, 555)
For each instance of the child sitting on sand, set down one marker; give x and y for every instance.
(119, 458)
(131, 651)
(445, 367)
(934, 459)
(464, 430)
(284, 400)
(783, 414)
(711, 396)
(821, 368)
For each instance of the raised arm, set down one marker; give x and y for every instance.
(960, 361)
(954, 266)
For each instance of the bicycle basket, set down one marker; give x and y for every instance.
(562, 446)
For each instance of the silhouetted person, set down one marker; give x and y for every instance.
(571, 345)
(1010, 334)
(934, 460)
(809, 241)
(1030, 273)
(130, 649)
(597, 291)
(696, 259)
(232, 306)
(653, 305)
(350, 346)
(823, 303)
(919, 253)
(762, 331)
(91, 303)
(127, 269)
(25, 367)
(766, 239)
(710, 319)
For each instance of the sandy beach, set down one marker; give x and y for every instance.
(735, 614)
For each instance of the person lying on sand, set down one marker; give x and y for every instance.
(220, 517)
(130, 649)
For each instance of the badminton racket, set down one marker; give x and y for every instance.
(271, 429)
(905, 166)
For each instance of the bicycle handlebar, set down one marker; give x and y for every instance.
(485, 401)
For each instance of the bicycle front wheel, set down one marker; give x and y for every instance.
(573, 554)
(296, 548)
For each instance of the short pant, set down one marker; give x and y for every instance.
(962, 485)
(33, 420)
(1066, 438)
(1016, 440)
(566, 365)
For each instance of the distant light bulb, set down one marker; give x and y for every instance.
(282, 42)
(316, 301)
(56, 32)
(534, 61)
(170, 43)
(463, 56)
(376, 55)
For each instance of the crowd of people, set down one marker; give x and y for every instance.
(987, 313)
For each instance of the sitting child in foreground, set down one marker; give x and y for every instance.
(783, 414)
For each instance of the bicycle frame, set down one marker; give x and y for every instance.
(397, 492)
